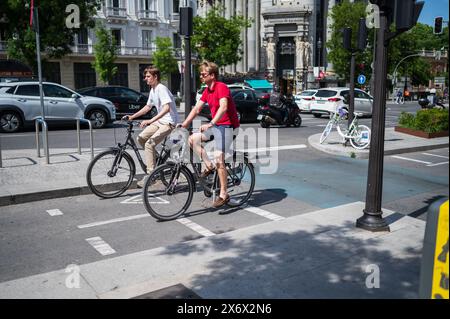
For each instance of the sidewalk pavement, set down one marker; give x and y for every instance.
(316, 255)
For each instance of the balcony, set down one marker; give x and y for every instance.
(88, 49)
(147, 17)
(175, 19)
(115, 14)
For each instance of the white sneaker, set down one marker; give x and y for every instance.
(141, 183)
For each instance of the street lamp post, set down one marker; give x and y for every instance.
(398, 64)
(319, 51)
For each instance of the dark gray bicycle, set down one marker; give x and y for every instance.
(168, 191)
(111, 172)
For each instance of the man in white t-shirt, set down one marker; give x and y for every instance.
(158, 127)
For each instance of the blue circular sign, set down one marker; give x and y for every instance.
(361, 79)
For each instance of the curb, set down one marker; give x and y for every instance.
(364, 154)
(51, 194)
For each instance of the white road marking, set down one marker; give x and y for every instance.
(54, 212)
(411, 159)
(429, 154)
(273, 148)
(436, 164)
(101, 246)
(263, 213)
(138, 200)
(115, 220)
(195, 227)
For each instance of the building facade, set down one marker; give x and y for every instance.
(286, 41)
(134, 24)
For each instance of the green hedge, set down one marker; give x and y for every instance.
(429, 121)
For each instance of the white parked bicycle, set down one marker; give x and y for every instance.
(358, 135)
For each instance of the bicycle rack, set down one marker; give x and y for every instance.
(40, 120)
(91, 136)
(0, 152)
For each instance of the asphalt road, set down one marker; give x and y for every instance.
(52, 234)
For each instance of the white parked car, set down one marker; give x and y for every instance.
(20, 105)
(304, 99)
(328, 101)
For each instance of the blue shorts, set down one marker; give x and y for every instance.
(223, 137)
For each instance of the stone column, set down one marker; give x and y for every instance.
(251, 36)
(240, 11)
(271, 53)
(331, 4)
(228, 14)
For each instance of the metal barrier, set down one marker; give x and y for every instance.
(0, 152)
(90, 135)
(40, 120)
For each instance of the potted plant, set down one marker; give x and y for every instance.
(427, 123)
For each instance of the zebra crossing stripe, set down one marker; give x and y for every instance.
(263, 213)
(101, 246)
(195, 227)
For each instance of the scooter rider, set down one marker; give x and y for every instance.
(277, 101)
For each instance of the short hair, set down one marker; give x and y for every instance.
(153, 71)
(210, 67)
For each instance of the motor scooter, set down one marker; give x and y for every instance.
(270, 115)
(425, 104)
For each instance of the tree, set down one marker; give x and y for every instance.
(218, 39)
(55, 37)
(104, 54)
(344, 15)
(163, 58)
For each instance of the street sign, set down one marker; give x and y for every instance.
(361, 79)
(439, 79)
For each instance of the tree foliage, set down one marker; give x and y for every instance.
(420, 37)
(104, 54)
(163, 58)
(218, 39)
(344, 15)
(55, 37)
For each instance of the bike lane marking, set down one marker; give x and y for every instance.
(411, 159)
(101, 246)
(115, 220)
(195, 227)
(54, 212)
(263, 213)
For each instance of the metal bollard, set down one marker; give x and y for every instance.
(41, 121)
(1, 152)
(91, 136)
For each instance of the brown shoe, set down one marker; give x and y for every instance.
(221, 201)
(207, 172)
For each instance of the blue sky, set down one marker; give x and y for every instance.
(432, 9)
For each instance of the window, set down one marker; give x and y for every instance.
(121, 77)
(28, 90)
(129, 94)
(56, 91)
(176, 6)
(51, 72)
(116, 33)
(84, 75)
(7, 89)
(326, 93)
(146, 39)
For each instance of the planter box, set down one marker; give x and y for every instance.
(420, 133)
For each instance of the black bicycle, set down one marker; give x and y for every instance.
(111, 172)
(168, 191)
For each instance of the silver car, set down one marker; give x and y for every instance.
(20, 105)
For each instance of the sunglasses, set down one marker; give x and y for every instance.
(202, 75)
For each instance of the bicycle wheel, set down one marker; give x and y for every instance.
(110, 174)
(240, 181)
(361, 137)
(167, 202)
(326, 131)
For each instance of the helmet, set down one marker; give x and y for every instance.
(433, 91)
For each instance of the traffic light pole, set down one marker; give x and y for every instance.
(187, 76)
(372, 219)
(351, 106)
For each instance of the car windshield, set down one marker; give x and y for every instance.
(325, 93)
(307, 93)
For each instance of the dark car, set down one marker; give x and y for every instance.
(247, 104)
(125, 100)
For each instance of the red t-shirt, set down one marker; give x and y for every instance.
(212, 96)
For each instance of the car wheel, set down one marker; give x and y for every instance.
(10, 122)
(317, 115)
(298, 121)
(98, 118)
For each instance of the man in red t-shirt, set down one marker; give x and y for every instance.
(224, 121)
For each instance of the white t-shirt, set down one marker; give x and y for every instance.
(160, 96)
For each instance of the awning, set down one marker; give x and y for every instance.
(259, 84)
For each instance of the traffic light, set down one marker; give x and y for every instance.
(438, 25)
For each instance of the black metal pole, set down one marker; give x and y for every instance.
(351, 105)
(372, 219)
(187, 76)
